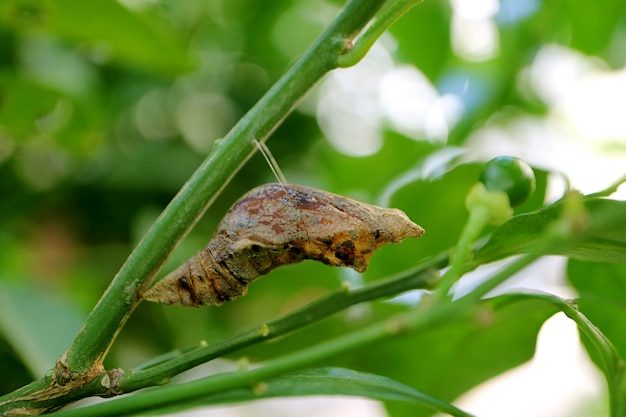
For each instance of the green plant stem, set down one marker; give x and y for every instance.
(366, 40)
(93, 341)
(561, 232)
(506, 273)
(175, 394)
(478, 218)
(423, 277)
(171, 395)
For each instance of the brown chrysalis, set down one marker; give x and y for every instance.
(279, 224)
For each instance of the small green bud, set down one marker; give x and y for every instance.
(511, 175)
(495, 203)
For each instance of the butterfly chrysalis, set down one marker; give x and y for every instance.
(279, 224)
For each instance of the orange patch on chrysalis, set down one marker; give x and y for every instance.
(279, 224)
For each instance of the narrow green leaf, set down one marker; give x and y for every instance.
(329, 381)
(598, 345)
(602, 297)
(38, 327)
(601, 243)
(602, 289)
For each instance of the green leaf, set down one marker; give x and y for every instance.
(448, 361)
(24, 102)
(441, 214)
(578, 26)
(428, 21)
(500, 335)
(600, 348)
(438, 205)
(331, 381)
(106, 25)
(602, 290)
(38, 327)
(601, 243)
(357, 172)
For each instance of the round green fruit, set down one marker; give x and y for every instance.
(511, 175)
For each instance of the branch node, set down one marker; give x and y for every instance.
(111, 382)
(347, 45)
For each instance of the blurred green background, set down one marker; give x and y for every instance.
(107, 107)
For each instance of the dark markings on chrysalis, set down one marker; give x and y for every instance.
(279, 224)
